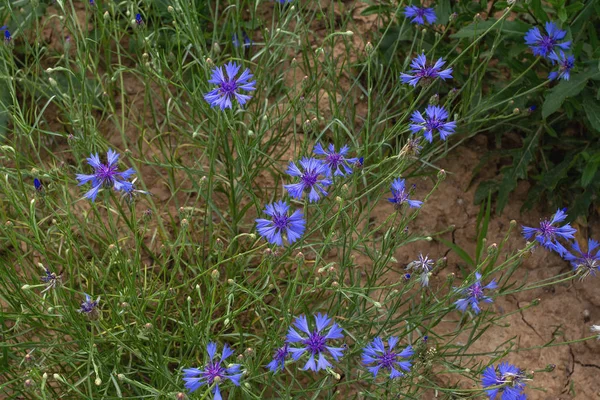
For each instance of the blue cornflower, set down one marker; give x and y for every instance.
(508, 379)
(474, 294)
(213, 372)
(316, 342)
(7, 35)
(52, 280)
(105, 175)
(38, 185)
(420, 14)
(400, 195)
(585, 263)
(435, 120)
(565, 65)
(236, 41)
(309, 179)
(279, 358)
(271, 229)
(548, 234)
(229, 86)
(89, 306)
(428, 73)
(376, 353)
(336, 160)
(423, 265)
(139, 20)
(544, 45)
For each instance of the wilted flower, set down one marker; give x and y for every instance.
(278, 361)
(423, 265)
(105, 175)
(316, 342)
(420, 14)
(508, 379)
(401, 195)
(585, 263)
(474, 294)
(544, 45)
(434, 121)
(428, 73)
(213, 372)
(548, 234)
(229, 87)
(334, 160)
(565, 65)
(51, 279)
(272, 229)
(376, 353)
(310, 180)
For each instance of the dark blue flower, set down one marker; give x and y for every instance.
(52, 280)
(7, 35)
(420, 14)
(105, 175)
(313, 179)
(386, 359)
(421, 70)
(474, 294)
(236, 42)
(548, 234)
(401, 195)
(278, 362)
(139, 20)
(89, 306)
(38, 185)
(507, 379)
(272, 229)
(423, 266)
(229, 86)
(316, 342)
(565, 65)
(213, 372)
(585, 263)
(434, 121)
(334, 160)
(544, 45)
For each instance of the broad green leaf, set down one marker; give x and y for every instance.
(556, 96)
(592, 111)
(443, 11)
(588, 173)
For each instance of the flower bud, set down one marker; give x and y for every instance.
(215, 274)
(369, 48)
(434, 100)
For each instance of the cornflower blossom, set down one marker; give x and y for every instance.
(51, 279)
(37, 184)
(310, 182)
(376, 353)
(105, 175)
(316, 342)
(236, 41)
(585, 263)
(272, 229)
(229, 86)
(508, 379)
(401, 195)
(434, 121)
(7, 35)
(278, 362)
(213, 372)
(423, 265)
(421, 70)
(420, 14)
(89, 306)
(544, 45)
(565, 65)
(548, 234)
(334, 160)
(474, 294)
(139, 20)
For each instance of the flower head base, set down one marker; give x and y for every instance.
(214, 372)
(315, 343)
(423, 265)
(565, 65)
(420, 14)
(52, 280)
(401, 195)
(229, 86)
(544, 45)
(508, 379)
(474, 294)
(336, 161)
(548, 234)
(386, 359)
(90, 307)
(278, 362)
(310, 179)
(584, 263)
(434, 121)
(272, 229)
(421, 70)
(105, 175)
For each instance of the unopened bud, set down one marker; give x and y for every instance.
(369, 48)
(434, 100)
(170, 9)
(219, 245)
(216, 48)
(441, 175)
(106, 15)
(492, 250)
(300, 259)
(516, 111)
(215, 274)
(53, 83)
(98, 381)
(210, 63)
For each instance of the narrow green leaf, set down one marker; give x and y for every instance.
(459, 251)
